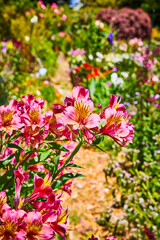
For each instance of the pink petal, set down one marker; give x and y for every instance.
(70, 116)
(47, 233)
(112, 101)
(88, 135)
(109, 113)
(92, 121)
(80, 93)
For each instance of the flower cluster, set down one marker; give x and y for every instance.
(88, 71)
(33, 141)
(128, 23)
(77, 114)
(43, 222)
(77, 52)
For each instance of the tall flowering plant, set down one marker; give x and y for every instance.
(37, 150)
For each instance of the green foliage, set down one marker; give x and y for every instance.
(103, 3)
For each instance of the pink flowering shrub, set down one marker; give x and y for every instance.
(36, 152)
(128, 23)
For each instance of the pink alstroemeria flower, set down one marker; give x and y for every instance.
(9, 119)
(11, 225)
(20, 177)
(42, 188)
(79, 115)
(53, 124)
(36, 229)
(117, 122)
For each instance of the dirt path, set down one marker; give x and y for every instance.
(61, 80)
(89, 195)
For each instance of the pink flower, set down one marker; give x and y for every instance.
(53, 125)
(77, 113)
(54, 5)
(40, 2)
(36, 229)
(56, 11)
(108, 84)
(27, 13)
(10, 225)
(61, 34)
(80, 116)
(42, 188)
(41, 15)
(20, 177)
(64, 17)
(9, 119)
(117, 122)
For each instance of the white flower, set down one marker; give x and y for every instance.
(27, 38)
(114, 76)
(100, 55)
(98, 60)
(155, 78)
(42, 71)
(38, 92)
(124, 74)
(116, 80)
(90, 57)
(53, 37)
(141, 200)
(79, 58)
(34, 19)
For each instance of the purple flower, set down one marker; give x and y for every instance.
(110, 38)
(135, 102)
(93, 238)
(114, 69)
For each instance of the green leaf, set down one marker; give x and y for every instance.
(97, 140)
(6, 177)
(92, 88)
(7, 159)
(73, 165)
(64, 178)
(73, 133)
(50, 138)
(57, 146)
(12, 145)
(56, 162)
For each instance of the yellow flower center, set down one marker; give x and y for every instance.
(83, 110)
(8, 230)
(117, 119)
(47, 181)
(34, 115)
(2, 200)
(33, 229)
(7, 117)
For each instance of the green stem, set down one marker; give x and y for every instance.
(1, 143)
(69, 158)
(5, 186)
